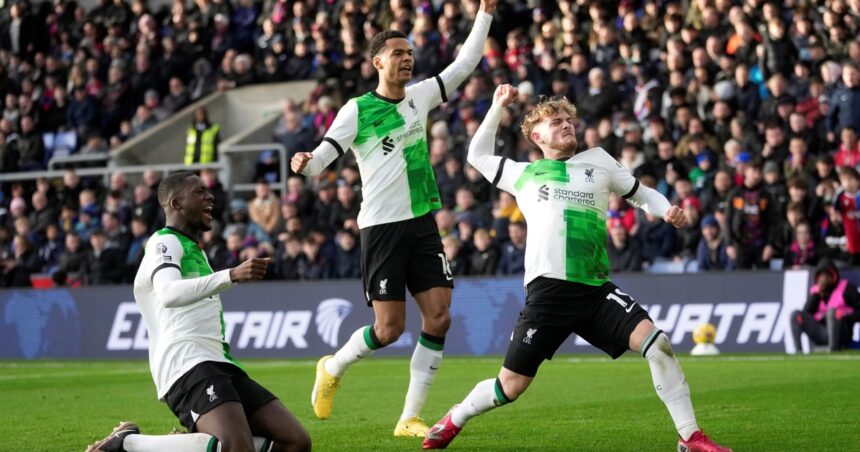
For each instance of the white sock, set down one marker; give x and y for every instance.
(422, 371)
(484, 397)
(183, 442)
(670, 383)
(360, 345)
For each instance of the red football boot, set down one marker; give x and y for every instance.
(442, 433)
(700, 443)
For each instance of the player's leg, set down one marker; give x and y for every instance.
(276, 423)
(804, 322)
(430, 281)
(526, 351)
(426, 358)
(669, 380)
(384, 262)
(671, 386)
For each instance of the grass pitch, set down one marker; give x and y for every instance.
(760, 403)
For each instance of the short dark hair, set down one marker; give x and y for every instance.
(378, 41)
(849, 171)
(171, 184)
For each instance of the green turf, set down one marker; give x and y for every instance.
(752, 403)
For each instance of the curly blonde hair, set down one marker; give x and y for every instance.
(546, 107)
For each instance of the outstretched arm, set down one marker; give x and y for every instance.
(645, 198)
(175, 292)
(483, 144)
(337, 141)
(471, 52)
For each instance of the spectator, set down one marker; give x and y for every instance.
(27, 261)
(345, 207)
(845, 102)
(849, 148)
(466, 209)
(176, 99)
(348, 256)
(657, 239)
(324, 207)
(142, 121)
(74, 258)
(711, 254)
(314, 265)
(598, 101)
(301, 197)
(290, 132)
(202, 139)
(802, 251)
(485, 257)
(104, 265)
(455, 258)
(52, 248)
(30, 148)
(42, 214)
(513, 257)
(749, 222)
(832, 307)
(287, 258)
(264, 209)
(116, 234)
(846, 206)
(623, 252)
(136, 247)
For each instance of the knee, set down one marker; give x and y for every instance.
(796, 317)
(302, 442)
(387, 333)
(438, 322)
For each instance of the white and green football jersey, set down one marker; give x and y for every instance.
(389, 139)
(565, 204)
(177, 294)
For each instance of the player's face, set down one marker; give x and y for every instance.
(557, 132)
(196, 203)
(395, 62)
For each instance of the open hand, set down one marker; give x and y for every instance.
(300, 161)
(253, 269)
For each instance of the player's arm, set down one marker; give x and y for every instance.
(470, 52)
(173, 291)
(651, 201)
(337, 141)
(483, 144)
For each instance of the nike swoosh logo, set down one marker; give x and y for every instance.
(434, 368)
(541, 173)
(378, 123)
(449, 278)
(631, 307)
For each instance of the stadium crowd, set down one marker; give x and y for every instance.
(744, 113)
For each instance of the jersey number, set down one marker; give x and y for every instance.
(446, 267)
(616, 297)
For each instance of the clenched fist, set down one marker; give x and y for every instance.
(675, 217)
(253, 269)
(300, 161)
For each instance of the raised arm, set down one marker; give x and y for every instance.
(337, 141)
(483, 144)
(471, 51)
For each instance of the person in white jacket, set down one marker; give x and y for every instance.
(564, 197)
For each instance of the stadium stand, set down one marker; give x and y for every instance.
(741, 112)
